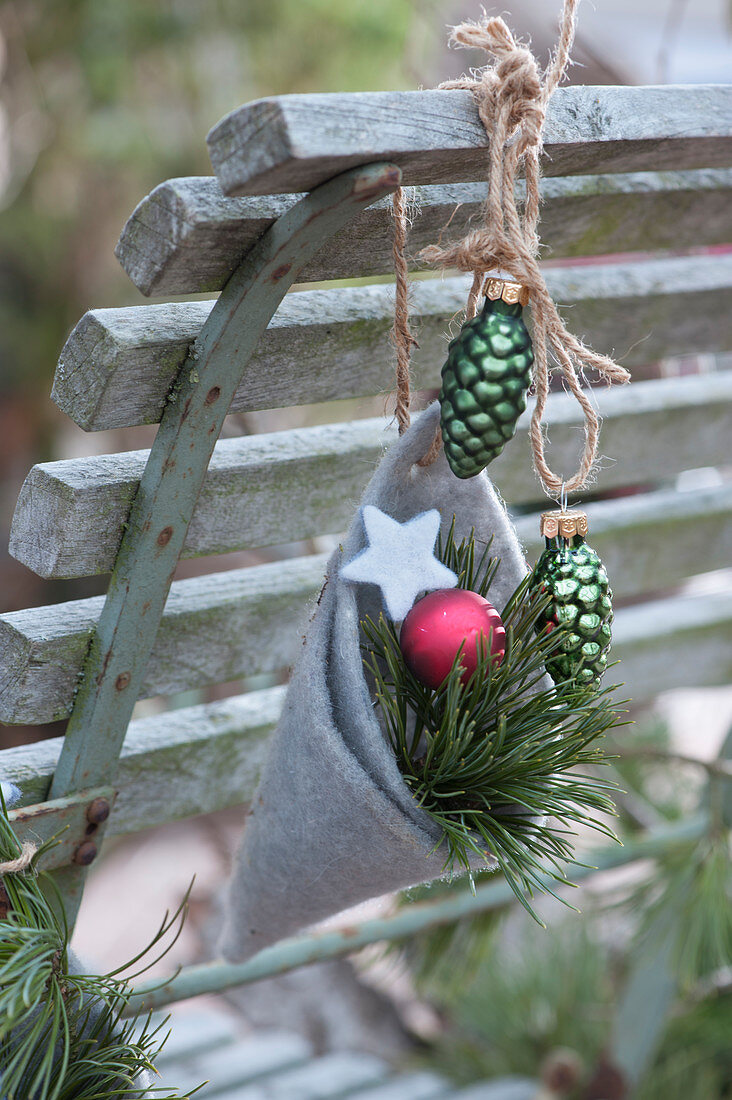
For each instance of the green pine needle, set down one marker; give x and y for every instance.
(491, 760)
(62, 1035)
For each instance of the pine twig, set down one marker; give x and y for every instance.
(62, 1034)
(492, 759)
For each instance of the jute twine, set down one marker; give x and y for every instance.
(511, 97)
(22, 863)
(404, 339)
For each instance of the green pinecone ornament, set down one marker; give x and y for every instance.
(485, 379)
(581, 598)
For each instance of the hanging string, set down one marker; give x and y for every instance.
(403, 338)
(511, 97)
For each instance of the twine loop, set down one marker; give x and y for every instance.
(511, 90)
(22, 863)
(511, 96)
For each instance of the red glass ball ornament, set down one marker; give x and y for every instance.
(439, 624)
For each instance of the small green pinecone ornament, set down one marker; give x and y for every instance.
(581, 598)
(485, 379)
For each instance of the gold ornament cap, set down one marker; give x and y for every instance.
(510, 292)
(563, 525)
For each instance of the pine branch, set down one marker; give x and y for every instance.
(62, 1035)
(490, 760)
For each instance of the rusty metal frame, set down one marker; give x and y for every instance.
(174, 474)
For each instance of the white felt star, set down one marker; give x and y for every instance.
(399, 559)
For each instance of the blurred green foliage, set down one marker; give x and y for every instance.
(543, 993)
(536, 993)
(695, 1059)
(104, 99)
(512, 998)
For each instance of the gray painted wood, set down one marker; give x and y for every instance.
(186, 236)
(332, 1077)
(268, 1054)
(118, 365)
(507, 1088)
(293, 142)
(279, 487)
(412, 1086)
(192, 1034)
(673, 643)
(220, 627)
(208, 757)
(214, 629)
(184, 1060)
(203, 758)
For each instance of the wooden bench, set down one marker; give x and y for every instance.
(302, 194)
(283, 1066)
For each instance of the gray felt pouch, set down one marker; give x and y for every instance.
(332, 822)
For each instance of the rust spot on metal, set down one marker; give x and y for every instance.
(389, 179)
(169, 464)
(122, 681)
(91, 830)
(146, 606)
(213, 395)
(280, 272)
(85, 854)
(165, 536)
(98, 811)
(186, 409)
(105, 662)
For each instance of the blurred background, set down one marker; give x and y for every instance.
(101, 101)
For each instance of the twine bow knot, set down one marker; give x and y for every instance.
(511, 96)
(512, 91)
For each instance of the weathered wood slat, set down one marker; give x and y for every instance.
(504, 1088)
(674, 643)
(293, 142)
(186, 762)
(118, 365)
(186, 236)
(265, 1057)
(419, 1085)
(206, 758)
(220, 627)
(274, 488)
(214, 629)
(237, 1075)
(194, 1034)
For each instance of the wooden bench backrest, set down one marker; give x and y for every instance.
(627, 170)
